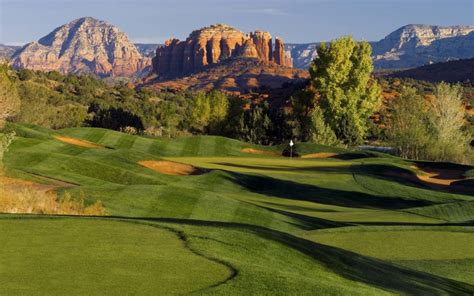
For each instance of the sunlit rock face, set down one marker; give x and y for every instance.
(214, 44)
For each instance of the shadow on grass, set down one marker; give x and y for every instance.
(284, 168)
(308, 222)
(350, 265)
(293, 190)
(409, 178)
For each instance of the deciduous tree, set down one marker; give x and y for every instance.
(348, 96)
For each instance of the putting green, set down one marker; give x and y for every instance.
(96, 257)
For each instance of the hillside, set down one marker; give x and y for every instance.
(452, 71)
(83, 46)
(337, 222)
(238, 76)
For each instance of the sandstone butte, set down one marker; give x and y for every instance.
(85, 45)
(214, 44)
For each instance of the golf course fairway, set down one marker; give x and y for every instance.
(201, 215)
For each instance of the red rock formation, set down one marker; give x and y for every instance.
(212, 45)
(263, 44)
(279, 55)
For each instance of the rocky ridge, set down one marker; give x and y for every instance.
(85, 45)
(409, 46)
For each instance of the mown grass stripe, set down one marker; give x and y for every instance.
(110, 139)
(158, 147)
(191, 146)
(126, 141)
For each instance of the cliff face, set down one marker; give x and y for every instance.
(212, 45)
(85, 45)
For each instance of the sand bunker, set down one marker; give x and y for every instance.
(319, 155)
(77, 142)
(171, 168)
(257, 151)
(439, 176)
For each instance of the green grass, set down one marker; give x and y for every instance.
(91, 257)
(342, 225)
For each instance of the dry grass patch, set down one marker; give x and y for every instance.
(320, 155)
(25, 197)
(171, 167)
(257, 151)
(77, 142)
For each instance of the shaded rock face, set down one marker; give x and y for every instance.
(212, 45)
(85, 45)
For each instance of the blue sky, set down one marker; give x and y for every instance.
(148, 21)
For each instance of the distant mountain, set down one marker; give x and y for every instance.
(452, 71)
(417, 45)
(6, 51)
(85, 45)
(147, 49)
(408, 47)
(302, 54)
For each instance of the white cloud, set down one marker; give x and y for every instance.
(268, 11)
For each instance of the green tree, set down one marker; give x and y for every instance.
(408, 125)
(219, 106)
(303, 102)
(320, 132)
(200, 112)
(255, 124)
(450, 141)
(9, 99)
(348, 96)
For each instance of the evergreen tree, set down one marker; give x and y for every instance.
(320, 132)
(255, 124)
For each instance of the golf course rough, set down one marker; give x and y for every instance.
(349, 223)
